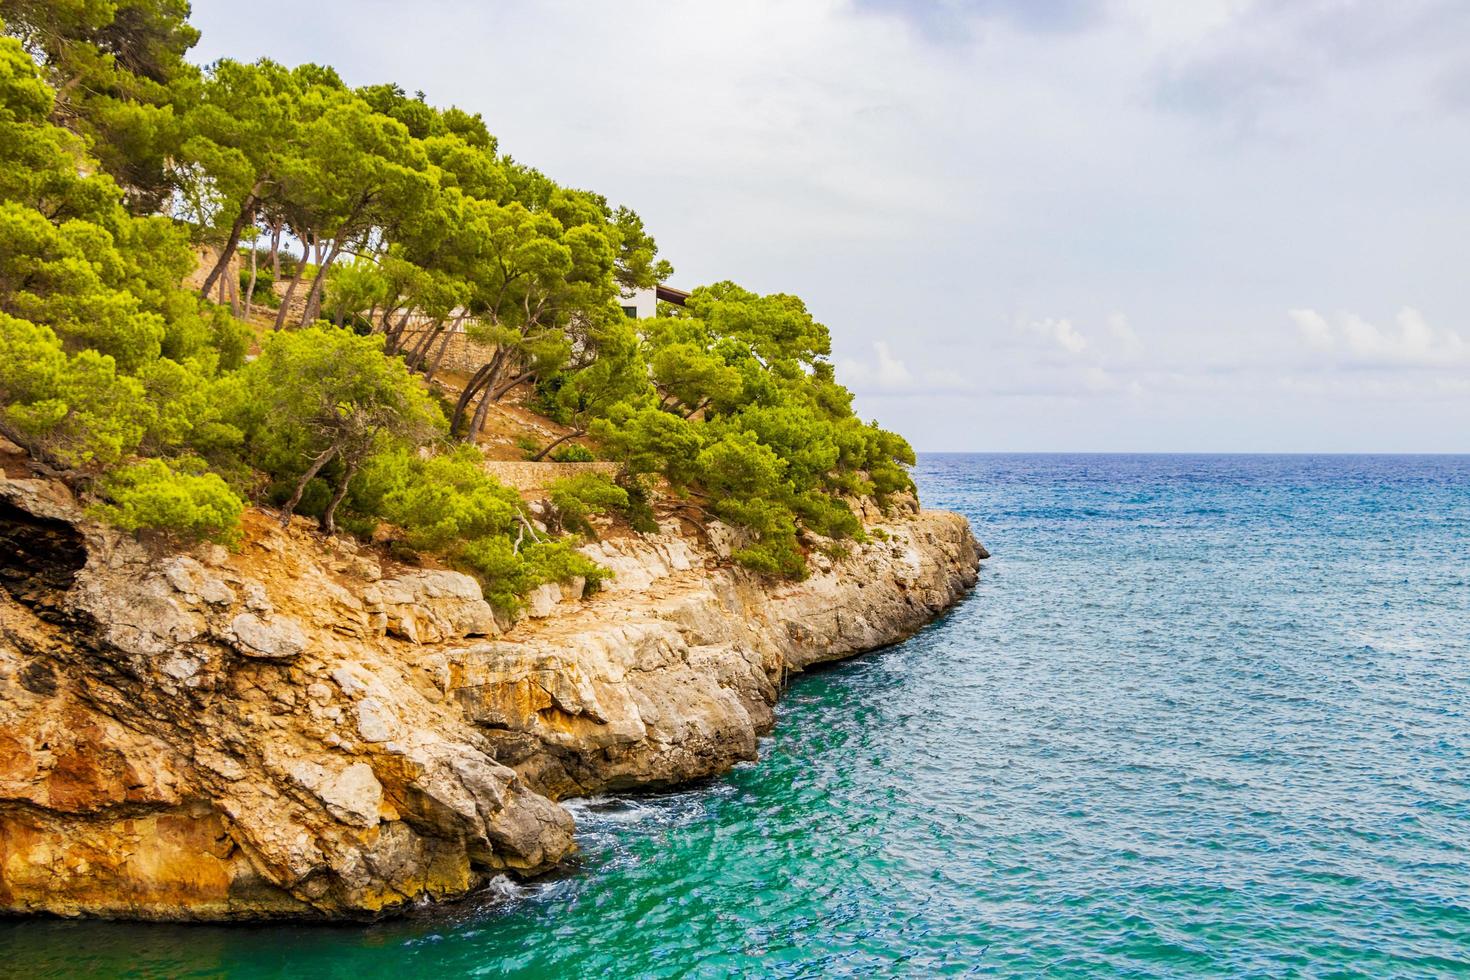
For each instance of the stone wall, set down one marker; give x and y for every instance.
(528, 477)
(205, 257)
(463, 355)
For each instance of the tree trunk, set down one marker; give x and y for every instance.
(233, 243)
(291, 289)
(250, 290)
(443, 346)
(307, 477)
(276, 230)
(416, 356)
(467, 396)
(234, 291)
(329, 516)
(314, 297)
(481, 414)
(570, 435)
(395, 334)
(498, 393)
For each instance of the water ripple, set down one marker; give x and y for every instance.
(1202, 716)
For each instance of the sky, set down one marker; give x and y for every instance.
(1030, 225)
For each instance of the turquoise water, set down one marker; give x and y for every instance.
(1202, 716)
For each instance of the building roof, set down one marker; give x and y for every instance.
(671, 295)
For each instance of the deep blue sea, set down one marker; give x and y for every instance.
(1203, 716)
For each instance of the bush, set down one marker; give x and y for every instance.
(639, 512)
(178, 500)
(558, 561)
(449, 505)
(572, 453)
(444, 500)
(264, 293)
(576, 498)
(507, 574)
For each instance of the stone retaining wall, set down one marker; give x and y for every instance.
(463, 355)
(528, 477)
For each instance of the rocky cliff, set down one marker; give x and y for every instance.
(300, 729)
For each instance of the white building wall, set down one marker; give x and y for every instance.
(643, 301)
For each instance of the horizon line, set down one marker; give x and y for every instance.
(1187, 452)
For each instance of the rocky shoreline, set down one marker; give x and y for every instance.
(298, 729)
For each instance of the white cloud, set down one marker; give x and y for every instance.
(891, 372)
(935, 192)
(1061, 332)
(1123, 332)
(1314, 327)
(1410, 341)
(887, 374)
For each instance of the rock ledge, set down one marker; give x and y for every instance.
(293, 731)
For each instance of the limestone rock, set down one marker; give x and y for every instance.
(277, 638)
(249, 735)
(543, 600)
(190, 578)
(430, 606)
(353, 795)
(376, 722)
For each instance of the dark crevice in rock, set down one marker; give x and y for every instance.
(39, 559)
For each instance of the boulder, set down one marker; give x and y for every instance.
(277, 638)
(430, 606)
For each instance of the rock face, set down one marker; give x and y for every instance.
(680, 680)
(293, 730)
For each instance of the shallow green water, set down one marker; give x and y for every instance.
(1202, 716)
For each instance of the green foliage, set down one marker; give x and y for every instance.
(647, 440)
(447, 504)
(352, 287)
(264, 293)
(72, 410)
(445, 499)
(508, 574)
(177, 500)
(730, 402)
(613, 375)
(323, 397)
(120, 72)
(577, 498)
(572, 452)
(746, 414)
(72, 279)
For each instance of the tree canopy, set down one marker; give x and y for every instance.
(396, 226)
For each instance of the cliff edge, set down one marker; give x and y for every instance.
(303, 729)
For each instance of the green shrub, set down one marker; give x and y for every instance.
(572, 453)
(444, 500)
(264, 293)
(507, 574)
(576, 498)
(639, 512)
(558, 561)
(178, 500)
(448, 505)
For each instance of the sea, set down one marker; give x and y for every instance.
(1203, 715)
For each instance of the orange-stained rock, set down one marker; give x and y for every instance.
(303, 729)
